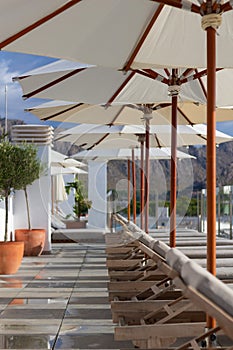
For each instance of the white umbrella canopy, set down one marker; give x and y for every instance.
(59, 193)
(56, 170)
(64, 80)
(98, 31)
(126, 153)
(64, 111)
(61, 160)
(92, 136)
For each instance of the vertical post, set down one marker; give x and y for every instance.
(173, 173)
(6, 113)
(97, 193)
(156, 209)
(211, 155)
(147, 172)
(142, 182)
(219, 211)
(134, 187)
(129, 190)
(211, 151)
(198, 212)
(202, 212)
(230, 211)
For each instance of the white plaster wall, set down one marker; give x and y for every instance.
(39, 194)
(97, 193)
(2, 218)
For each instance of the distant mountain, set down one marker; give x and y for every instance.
(195, 168)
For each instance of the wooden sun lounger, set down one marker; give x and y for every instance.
(172, 308)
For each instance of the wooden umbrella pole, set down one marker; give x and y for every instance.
(129, 190)
(134, 187)
(141, 139)
(147, 173)
(211, 156)
(173, 173)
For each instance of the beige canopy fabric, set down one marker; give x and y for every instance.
(126, 153)
(92, 136)
(64, 111)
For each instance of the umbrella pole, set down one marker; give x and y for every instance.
(142, 182)
(134, 187)
(173, 173)
(147, 118)
(128, 190)
(211, 156)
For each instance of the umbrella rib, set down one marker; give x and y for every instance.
(161, 105)
(196, 75)
(202, 137)
(59, 113)
(52, 83)
(116, 116)
(61, 137)
(118, 91)
(149, 73)
(181, 4)
(38, 23)
(185, 116)
(98, 142)
(202, 86)
(227, 6)
(167, 72)
(143, 38)
(186, 73)
(157, 140)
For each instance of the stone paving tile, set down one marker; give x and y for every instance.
(58, 301)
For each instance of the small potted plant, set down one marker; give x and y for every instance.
(81, 204)
(11, 253)
(34, 239)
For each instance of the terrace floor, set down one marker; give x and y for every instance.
(58, 301)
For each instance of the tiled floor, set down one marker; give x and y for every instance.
(58, 301)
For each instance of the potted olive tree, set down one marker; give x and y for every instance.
(11, 166)
(81, 204)
(34, 239)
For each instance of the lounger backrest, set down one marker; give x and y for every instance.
(160, 248)
(207, 284)
(176, 259)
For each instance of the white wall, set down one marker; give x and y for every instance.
(2, 218)
(97, 193)
(39, 194)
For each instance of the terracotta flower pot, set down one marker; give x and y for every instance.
(11, 254)
(33, 239)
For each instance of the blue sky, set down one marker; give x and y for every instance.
(11, 65)
(15, 64)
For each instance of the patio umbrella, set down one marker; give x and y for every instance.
(64, 111)
(94, 136)
(125, 153)
(98, 32)
(60, 160)
(56, 170)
